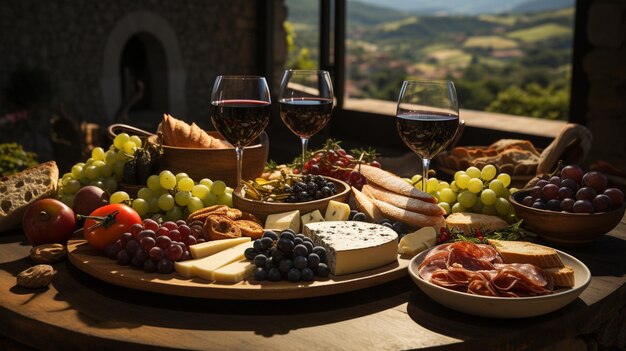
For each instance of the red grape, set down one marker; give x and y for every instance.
(585, 194)
(181, 222)
(156, 253)
(147, 243)
(175, 235)
(567, 205)
(125, 238)
(174, 252)
(554, 205)
(541, 183)
(535, 191)
(565, 192)
(595, 180)
(528, 201)
(375, 164)
(583, 206)
(616, 195)
(555, 180)
(602, 203)
(145, 233)
(165, 266)
(190, 240)
(569, 183)
(162, 231)
(550, 191)
(170, 225)
(315, 169)
(163, 242)
(572, 172)
(150, 224)
(341, 152)
(132, 246)
(135, 229)
(184, 230)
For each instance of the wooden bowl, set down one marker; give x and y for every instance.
(215, 164)
(263, 208)
(565, 228)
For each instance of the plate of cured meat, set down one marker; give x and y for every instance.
(500, 280)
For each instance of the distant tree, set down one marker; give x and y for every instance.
(533, 101)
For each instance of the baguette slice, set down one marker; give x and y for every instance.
(393, 183)
(525, 252)
(404, 202)
(563, 276)
(469, 222)
(412, 219)
(365, 205)
(20, 189)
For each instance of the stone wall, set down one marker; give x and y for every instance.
(605, 69)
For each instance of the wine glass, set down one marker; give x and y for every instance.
(240, 111)
(306, 102)
(427, 118)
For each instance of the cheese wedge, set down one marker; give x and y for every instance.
(285, 220)
(311, 217)
(210, 247)
(413, 243)
(204, 267)
(337, 211)
(233, 272)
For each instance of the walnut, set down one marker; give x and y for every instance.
(36, 277)
(48, 253)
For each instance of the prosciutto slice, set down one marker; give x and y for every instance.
(479, 269)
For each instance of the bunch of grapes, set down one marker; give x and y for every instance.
(103, 169)
(288, 256)
(153, 247)
(175, 196)
(574, 191)
(333, 161)
(310, 188)
(473, 190)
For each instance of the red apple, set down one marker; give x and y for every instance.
(48, 221)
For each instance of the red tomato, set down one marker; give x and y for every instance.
(108, 233)
(48, 221)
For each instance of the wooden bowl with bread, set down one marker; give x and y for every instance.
(565, 228)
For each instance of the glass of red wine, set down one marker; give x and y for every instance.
(240, 111)
(306, 103)
(427, 118)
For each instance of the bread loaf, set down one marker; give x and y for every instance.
(525, 252)
(563, 276)
(180, 134)
(393, 183)
(470, 222)
(404, 202)
(20, 189)
(412, 219)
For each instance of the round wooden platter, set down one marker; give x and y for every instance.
(90, 261)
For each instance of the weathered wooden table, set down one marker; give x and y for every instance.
(83, 313)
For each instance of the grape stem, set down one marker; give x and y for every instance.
(105, 221)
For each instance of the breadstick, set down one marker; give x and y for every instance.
(404, 202)
(393, 183)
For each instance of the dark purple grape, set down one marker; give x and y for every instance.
(585, 193)
(170, 225)
(535, 192)
(572, 172)
(141, 255)
(313, 260)
(165, 266)
(260, 260)
(190, 240)
(285, 244)
(554, 205)
(352, 213)
(540, 205)
(156, 253)
(309, 245)
(300, 262)
(257, 245)
(306, 274)
(266, 243)
(163, 242)
(285, 265)
(294, 275)
(542, 182)
(300, 250)
(569, 183)
(595, 180)
(110, 251)
(260, 274)
(322, 270)
(124, 238)
(528, 201)
(274, 275)
(149, 266)
(174, 252)
(288, 234)
(270, 234)
(321, 252)
(132, 246)
(556, 180)
(565, 192)
(186, 256)
(616, 195)
(118, 245)
(181, 222)
(602, 203)
(250, 253)
(123, 258)
(147, 243)
(583, 206)
(146, 233)
(567, 205)
(277, 255)
(175, 235)
(184, 230)
(136, 261)
(360, 216)
(550, 191)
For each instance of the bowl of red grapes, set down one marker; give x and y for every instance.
(570, 207)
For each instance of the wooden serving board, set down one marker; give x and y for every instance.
(90, 261)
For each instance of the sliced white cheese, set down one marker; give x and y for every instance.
(204, 267)
(184, 268)
(337, 211)
(285, 220)
(418, 241)
(354, 246)
(233, 272)
(210, 247)
(311, 217)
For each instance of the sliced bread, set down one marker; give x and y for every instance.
(20, 189)
(470, 222)
(525, 252)
(412, 219)
(405, 202)
(563, 276)
(365, 205)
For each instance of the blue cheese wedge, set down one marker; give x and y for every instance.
(354, 246)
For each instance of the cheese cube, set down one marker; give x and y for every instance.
(204, 267)
(285, 220)
(337, 211)
(210, 247)
(233, 272)
(418, 241)
(311, 217)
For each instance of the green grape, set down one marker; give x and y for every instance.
(89, 161)
(505, 179)
(141, 206)
(431, 184)
(185, 184)
(121, 156)
(154, 183)
(503, 207)
(478, 206)
(513, 190)
(66, 178)
(209, 200)
(511, 218)
(145, 193)
(118, 170)
(110, 157)
(167, 180)
(119, 197)
(98, 164)
(136, 140)
(457, 174)
(225, 199)
(194, 204)
(488, 197)
(488, 172)
(91, 172)
(496, 185)
(416, 178)
(218, 187)
(120, 140)
(447, 195)
(98, 183)
(454, 187)
(82, 164)
(475, 185)
(166, 202)
(467, 199)
(433, 193)
(505, 193)
(446, 207)
(206, 182)
(473, 172)
(407, 180)
(489, 210)
(153, 202)
(418, 185)
(181, 175)
(130, 148)
(71, 187)
(106, 170)
(68, 199)
(174, 214)
(229, 190)
(110, 185)
(98, 153)
(77, 171)
(443, 185)
(457, 208)
(182, 198)
(200, 191)
(462, 181)
(160, 192)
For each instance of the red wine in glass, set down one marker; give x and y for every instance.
(306, 116)
(427, 133)
(240, 121)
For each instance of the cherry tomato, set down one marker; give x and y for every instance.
(108, 232)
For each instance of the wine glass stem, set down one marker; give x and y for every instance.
(425, 165)
(239, 152)
(305, 144)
